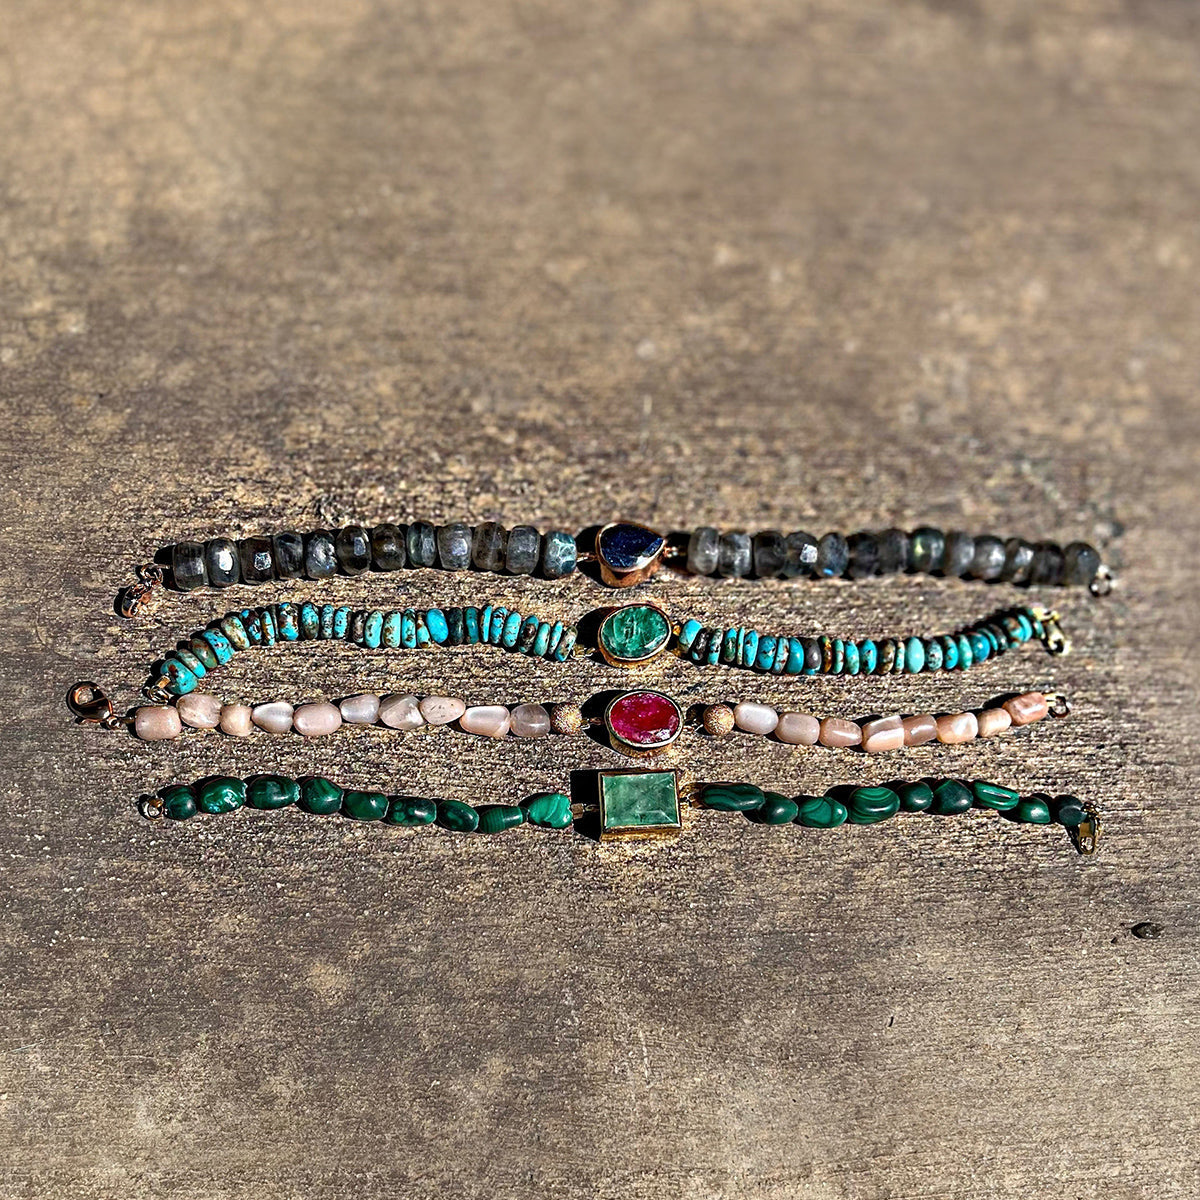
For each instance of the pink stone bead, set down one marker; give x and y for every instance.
(487, 720)
(1027, 708)
(236, 720)
(275, 717)
(157, 723)
(199, 710)
(315, 720)
(798, 729)
(883, 734)
(838, 732)
(360, 710)
(920, 729)
(993, 721)
(755, 718)
(400, 712)
(530, 720)
(441, 710)
(955, 728)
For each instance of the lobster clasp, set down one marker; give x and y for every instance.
(92, 705)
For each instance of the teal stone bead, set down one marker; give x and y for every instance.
(204, 652)
(732, 797)
(391, 629)
(782, 647)
(252, 624)
(933, 654)
(820, 812)
(556, 636)
(775, 810)
(1032, 810)
(190, 660)
(853, 660)
(951, 797)
(1035, 622)
(496, 631)
(457, 816)
(992, 795)
(408, 629)
(435, 622)
(949, 653)
(373, 629)
(795, 658)
(231, 626)
(365, 806)
(541, 643)
(566, 644)
(1025, 632)
(496, 818)
(341, 622)
(966, 654)
(511, 630)
(1069, 811)
(837, 656)
(411, 810)
(980, 648)
(310, 621)
(713, 656)
(220, 794)
(869, 653)
(325, 630)
(729, 645)
(270, 633)
(687, 634)
(471, 626)
(914, 656)
(741, 644)
(750, 648)
(423, 638)
(180, 680)
(485, 624)
(869, 805)
(899, 661)
(218, 643)
(528, 634)
(272, 791)
(319, 796)
(178, 803)
(289, 622)
(915, 797)
(551, 810)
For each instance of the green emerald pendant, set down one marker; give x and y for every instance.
(633, 634)
(638, 803)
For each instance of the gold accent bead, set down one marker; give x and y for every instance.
(566, 718)
(718, 719)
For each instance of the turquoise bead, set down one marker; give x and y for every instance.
(795, 658)
(253, 625)
(373, 629)
(218, 643)
(341, 622)
(471, 626)
(499, 618)
(914, 656)
(411, 810)
(949, 653)
(551, 810)
(204, 652)
(510, 630)
(191, 661)
(820, 812)
(566, 644)
(729, 646)
(528, 634)
(231, 626)
(541, 643)
(408, 629)
(365, 806)
(750, 648)
(270, 634)
(289, 622)
(391, 630)
(781, 655)
(485, 624)
(435, 622)
(457, 816)
(496, 818)
(766, 653)
(180, 680)
(966, 655)
(556, 636)
(310, 621)
(981, 647)
(775, 810)
(687, 635)
(853, 661)
(326, 629)
(423, 638)
(933, 654)
(1025, 632)
(714, 648)
(869, 653)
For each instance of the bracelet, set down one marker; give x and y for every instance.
(631, 804)
(626, 554)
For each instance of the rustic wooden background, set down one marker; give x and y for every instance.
(823, 265)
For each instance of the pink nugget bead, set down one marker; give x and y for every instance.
(882, 734)
(313, 720)
(155, 724)
(993, 721)
(838, 732)
(798, 729)
(1027, 708)
(920, 729)
(956, 728)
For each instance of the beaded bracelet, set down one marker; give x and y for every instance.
(625, 553)
(631, 804)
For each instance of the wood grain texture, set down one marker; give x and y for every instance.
(825, 265)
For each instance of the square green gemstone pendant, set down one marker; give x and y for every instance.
(638, 803)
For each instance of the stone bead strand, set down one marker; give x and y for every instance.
(870, 805)
(778, 655)
(181, 670)
(222, 562)
(881, 734)
(772, 554)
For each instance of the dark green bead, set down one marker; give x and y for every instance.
(220, 794)
(915, 797)
(775, 810)
(1032, 810)
(729, 646)
(820, 812)
(457, 816)
(319, 795)
(867, 805)
(732, 797)
(992, 795)
(455, 630)
(365, 806)
(552, 810)
(272, 791)
(178, 803)
(951, 797)
(411, 810)
(1069, 811)
(496, 818)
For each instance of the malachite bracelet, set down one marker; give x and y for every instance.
(631, 804)
(625, 553)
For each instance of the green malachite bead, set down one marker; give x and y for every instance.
(867, 805)
(272, 791)
(178, 803)
(204, 652)
(775, 810)
(915, 797)
(391, 630)
(541, 643)
(933, 654)
(457, 816)
(471, 626)
(220, 794)
(435, 622)
(820, 812)
(325, 629)
(496, 818)
(423, 638)
(411, 810)
(914, 656)
(732, 797)
(310, 621)
(551, 810)
(687, 634)
(951, 797)
(365, 806)
(949, 653)
(1033, 810)
(1069, 811)
(180, 680)
(750, 647)
(373, 629)
(853, 659)
(341, 622)
(319, 795)
(869, 652)
(288, 622)
(992, 795)
(408, 629)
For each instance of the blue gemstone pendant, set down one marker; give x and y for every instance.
(628, 554)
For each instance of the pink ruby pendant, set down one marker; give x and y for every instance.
(641, 723)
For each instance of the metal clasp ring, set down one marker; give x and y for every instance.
(92, 706)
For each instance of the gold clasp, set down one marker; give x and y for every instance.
(1087, 832)
(1053, 637)
(138, 596)
(92, 706)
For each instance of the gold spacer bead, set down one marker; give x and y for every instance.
(718, 719)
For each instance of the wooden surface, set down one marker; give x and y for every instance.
(818, 265)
